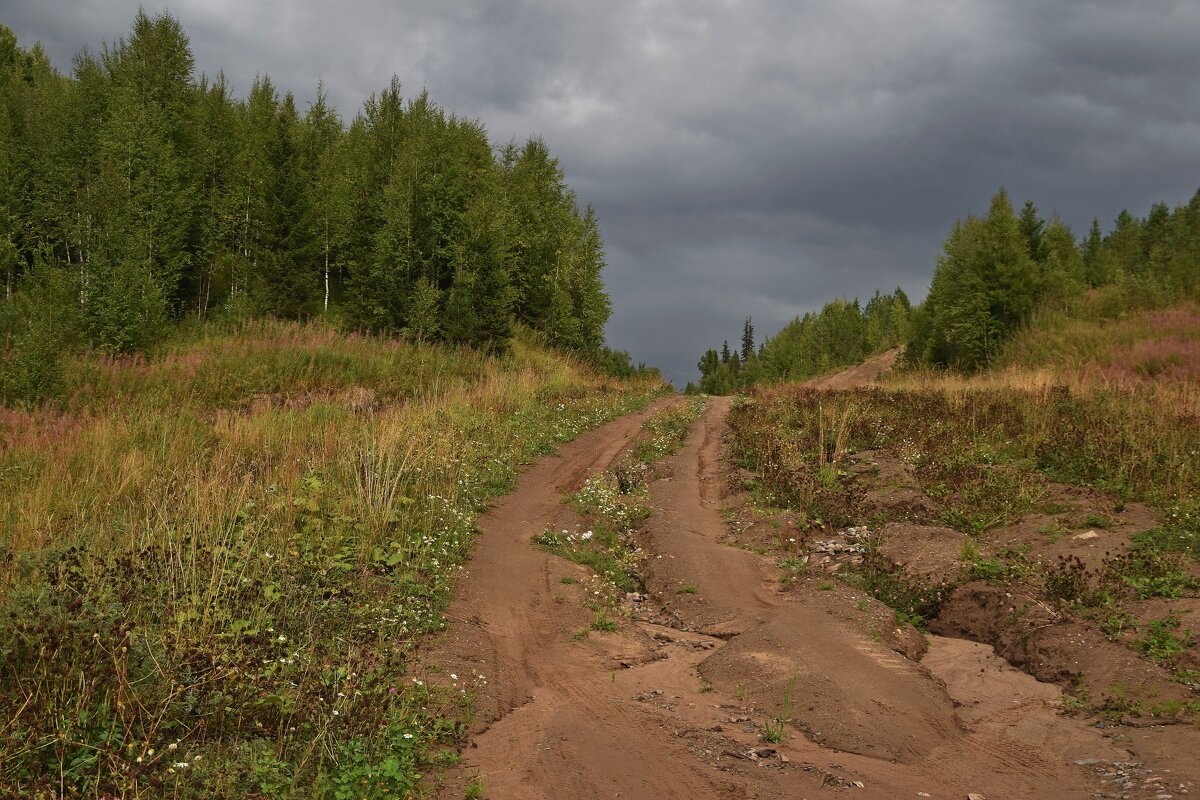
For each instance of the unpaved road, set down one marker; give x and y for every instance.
(859, 375)
(675, 710)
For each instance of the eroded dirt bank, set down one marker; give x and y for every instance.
(674, 704)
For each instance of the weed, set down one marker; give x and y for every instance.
(1116, 622)
(1189, 677)
(775, 730)
(1163, 641)
(1149, 573)
(739, 691)
(1070, 582)
(474, 790)
(1008, 566)
(825, 586)
(1052, 531)
(913, 599)
(1080, 697)
(797, 566)
(687, 588)
(1179, 531)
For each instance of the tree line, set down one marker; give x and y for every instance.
(842, 333)
(135, 194)
(994, 272)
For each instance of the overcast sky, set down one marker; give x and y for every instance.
(750, 158)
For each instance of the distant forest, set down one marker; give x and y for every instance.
(135, 194)
(994, 273)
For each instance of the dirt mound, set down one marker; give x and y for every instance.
(841, 689)
(924, 551)
(1057, 648)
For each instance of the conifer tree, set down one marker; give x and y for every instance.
(1063, 267)
(747, 340)
(1033, 229)
(330, 204)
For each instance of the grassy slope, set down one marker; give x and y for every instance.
(214, 564)
(1088, 342)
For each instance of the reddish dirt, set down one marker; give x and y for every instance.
(859, 375)
(1054, 647)
(678, 710)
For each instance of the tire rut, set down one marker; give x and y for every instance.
(566, 719)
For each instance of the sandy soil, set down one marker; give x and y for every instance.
(674, 703)
(858, 375)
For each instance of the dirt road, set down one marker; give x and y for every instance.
(670, 710)
(858, 375)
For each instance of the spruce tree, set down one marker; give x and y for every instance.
(1033, 229)
(747, 340)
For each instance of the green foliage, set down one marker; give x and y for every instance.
(1179, 531)
(1164, 640)
(775, 730)
(1140, 573)
(163, 198)
(981, 459)
(995, 271)
(840, 334)
(613, 502)
(39, 327)
(619, 364)
(984, 286)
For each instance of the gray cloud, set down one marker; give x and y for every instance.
(752, 157)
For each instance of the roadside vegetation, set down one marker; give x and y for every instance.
(1008, 483)
(216, 562)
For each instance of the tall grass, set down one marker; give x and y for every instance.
(214, 563)
(1087, 341)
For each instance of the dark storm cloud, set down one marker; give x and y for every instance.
(753, 157)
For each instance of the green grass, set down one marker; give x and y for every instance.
(222, 558)
(474, 790)
(1164, 640)
(602, 622)
(775, 730)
